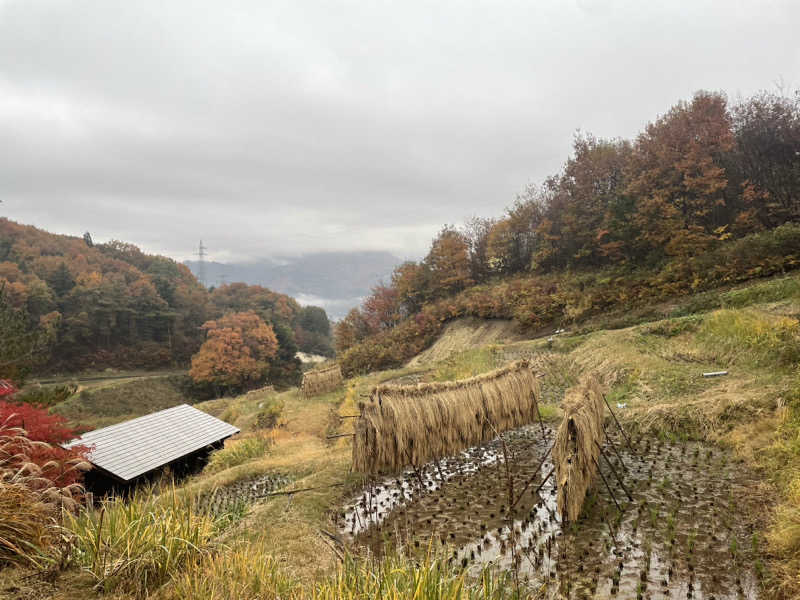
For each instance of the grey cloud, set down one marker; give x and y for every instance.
(282, 127)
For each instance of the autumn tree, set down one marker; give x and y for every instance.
(412, 282)
(313, 331)
(579, 226)
(677, 176)
(236, 352)
(381, 309)
(350, 330)
(766, 160)
(477, 230)
(448, 261)
(510, 241)
(22, 345)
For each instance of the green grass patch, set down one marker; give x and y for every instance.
(468, 363)
(775, 290)
(751, 336)
(238, 452)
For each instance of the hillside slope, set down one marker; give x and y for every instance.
(94, 306)
(467, 334)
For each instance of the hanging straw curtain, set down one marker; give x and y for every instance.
(414, 424)
(321, 381)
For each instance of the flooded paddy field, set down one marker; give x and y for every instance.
(685, 532)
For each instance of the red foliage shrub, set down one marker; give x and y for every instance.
(56, 463)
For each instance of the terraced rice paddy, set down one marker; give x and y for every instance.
(685, 534)
(223, 499)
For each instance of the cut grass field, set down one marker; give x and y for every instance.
(653, 372)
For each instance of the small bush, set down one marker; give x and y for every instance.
(673, 327)
(136, 544)
(270, 413)
(238, 452)
(47, 431)
(40, 395)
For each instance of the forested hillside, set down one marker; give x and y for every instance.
(68, 304)
(708, 194)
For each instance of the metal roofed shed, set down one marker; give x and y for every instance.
(181, 436)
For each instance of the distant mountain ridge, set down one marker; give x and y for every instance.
(337, 281)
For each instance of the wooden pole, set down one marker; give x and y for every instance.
(625, 435)
(608, 487)
(614, 447)
(613, 470)
(535, 473)
(546, 477)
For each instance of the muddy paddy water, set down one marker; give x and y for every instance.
(683, 535)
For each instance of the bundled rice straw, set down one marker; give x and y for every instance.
(576, 449)
(321, 381)
(414, 424)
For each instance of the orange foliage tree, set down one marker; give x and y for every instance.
(678, 176)
(236, 352)
(448, 261)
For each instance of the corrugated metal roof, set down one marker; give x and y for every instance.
(135, 447)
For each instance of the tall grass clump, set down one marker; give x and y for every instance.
(136, 544)
(270, 414)
(30, 504)
(238, 452)
(244, 572)
(737, 336)
(396, 577)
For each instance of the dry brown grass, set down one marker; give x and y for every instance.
(414, 424)
(321, 381)
(577, 445)
(30, 505)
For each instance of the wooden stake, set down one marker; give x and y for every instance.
(608, 487)
(614, 447)
(613, 470)
(535, 473)
(546, 477)
(625, 435)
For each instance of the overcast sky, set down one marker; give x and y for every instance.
(269, 128)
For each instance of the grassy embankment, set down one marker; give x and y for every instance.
(105, 402)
